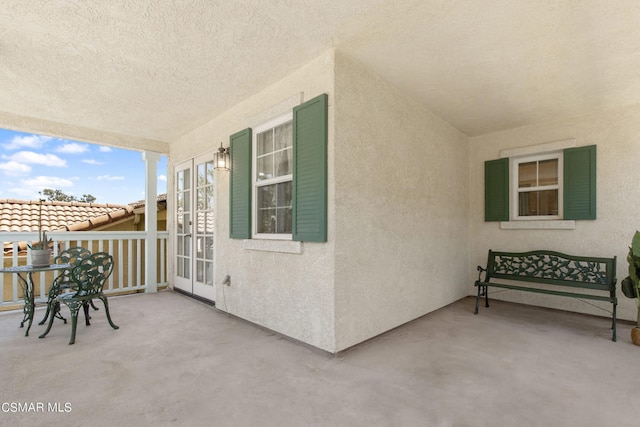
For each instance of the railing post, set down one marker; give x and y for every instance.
(151, 220)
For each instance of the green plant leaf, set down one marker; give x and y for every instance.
(635, 244)
(628, 288)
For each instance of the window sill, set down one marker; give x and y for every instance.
(284, 246)
(538, 225)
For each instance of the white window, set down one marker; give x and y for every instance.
(536, 186)
(273, 178)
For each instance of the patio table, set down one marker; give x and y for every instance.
(28, 287)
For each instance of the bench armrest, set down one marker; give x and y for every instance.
(480, 270)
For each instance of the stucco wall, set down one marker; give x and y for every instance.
(289, 293)
(401, 207)
(617, 136)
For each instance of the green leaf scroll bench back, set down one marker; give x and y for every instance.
(63, 281)
(89, 277)
(550, 271)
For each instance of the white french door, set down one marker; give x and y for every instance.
(194, 224)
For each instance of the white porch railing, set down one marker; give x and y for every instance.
(126, 247)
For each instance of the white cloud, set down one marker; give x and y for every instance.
(104, 149)
(29, 141)
(162, 178)
(41, 182)
(92, 162)
(109, 178)
(29, 188)
(14, 168)
(30, 157)
(72, 148)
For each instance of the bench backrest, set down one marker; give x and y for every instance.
(553, 268)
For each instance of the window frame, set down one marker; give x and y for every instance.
(255, 183)
(514, 211)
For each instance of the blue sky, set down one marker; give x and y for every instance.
(29, 163)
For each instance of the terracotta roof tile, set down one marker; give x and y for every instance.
(22, 215)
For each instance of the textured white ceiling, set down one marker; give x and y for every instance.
(157, 69)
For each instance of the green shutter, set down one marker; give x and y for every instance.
(580, 183)
(240, 186)
(496, 190)
(310, 170)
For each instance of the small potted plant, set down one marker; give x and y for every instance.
(40, 252)
(631, 284)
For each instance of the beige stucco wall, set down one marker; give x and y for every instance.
(292, 294)
(617, 136)
(401, 186)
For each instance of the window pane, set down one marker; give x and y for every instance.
(284, 216)
(265, 142)
(265, 167)
(266, 221)
(527, 174)
(537, 203)
(548, 172)
(284, 136)
(548, 202)
(284, 191)
(284, 164)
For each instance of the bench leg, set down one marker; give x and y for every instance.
(477, 299)
(486, 296)
(613, 324)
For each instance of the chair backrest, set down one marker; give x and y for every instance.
(92, 273)
(72, 256)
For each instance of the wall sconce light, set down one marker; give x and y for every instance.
(221, 158)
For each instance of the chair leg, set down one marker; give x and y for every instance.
(103, 298)
(51, 319)
(46, 314)
(93, 305)
(85, 308)
(74, 307)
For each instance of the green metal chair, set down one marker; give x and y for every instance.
(89, 277)
(63, 281)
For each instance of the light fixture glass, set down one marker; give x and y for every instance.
(221, 158)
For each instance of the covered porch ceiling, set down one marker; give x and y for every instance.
(144, 73)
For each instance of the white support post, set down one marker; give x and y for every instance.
(151, 160)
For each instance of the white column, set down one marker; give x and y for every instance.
(151, 160)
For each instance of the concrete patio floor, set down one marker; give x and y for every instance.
(175, 361)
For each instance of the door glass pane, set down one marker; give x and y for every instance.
(199, 247)
(209, 273)
(200, 271)
(202, 179)
(208, 248)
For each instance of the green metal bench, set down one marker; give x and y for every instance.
(550, 268)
